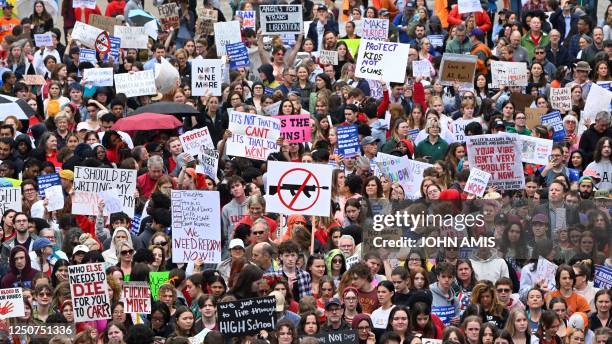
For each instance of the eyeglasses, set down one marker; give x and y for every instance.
(161, 243)
(258, 233)
(540, 53)
(128, 252)
(44, 293)
(363, 328)
(503, 290)
(29, 190)
(468, 97)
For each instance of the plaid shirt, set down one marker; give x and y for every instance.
(303, 280)
(530, 6)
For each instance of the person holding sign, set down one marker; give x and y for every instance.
(322, 24)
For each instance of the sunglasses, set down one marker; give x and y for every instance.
(125, 253)
(161, 243)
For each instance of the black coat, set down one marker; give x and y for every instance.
(312, 30)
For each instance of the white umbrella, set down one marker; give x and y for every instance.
(14, 106)
(26, 7)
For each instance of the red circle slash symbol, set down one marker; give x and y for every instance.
(297, 190)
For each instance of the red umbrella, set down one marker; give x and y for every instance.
(147, 121)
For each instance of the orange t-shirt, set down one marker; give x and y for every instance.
(6, 26)
(575, 303)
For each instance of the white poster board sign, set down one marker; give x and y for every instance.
(135, 37)
(98, 77)
(382, 61)
(136, 84)
(535, 150)
(86, 34)
(253, 136)
(226, 33)
(90, 181)
(477, 182)
(206, 77)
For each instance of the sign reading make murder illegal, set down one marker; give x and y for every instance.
(253, 136)
(384, 61)
(248, 316)
(281, 19)
(196, 226)
(90, 181)
(298, 188)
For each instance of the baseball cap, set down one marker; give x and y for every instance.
(41, 243)
(540, 218)
(602, 194)
(383, 12)
(476, 32)
(586, 179)
(236, 243)
(368, 140)
(333, 301)
(499, 124)
(80, 248)
(66, 174)
(322, 8)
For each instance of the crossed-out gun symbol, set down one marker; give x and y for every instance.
(293, 188)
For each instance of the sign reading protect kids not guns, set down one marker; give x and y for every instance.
(253, 136)
(379, 61)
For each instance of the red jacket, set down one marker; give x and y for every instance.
(482, 19)
(88, 12)
(418, 96)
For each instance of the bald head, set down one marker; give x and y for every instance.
(515, 39)
(262, 255)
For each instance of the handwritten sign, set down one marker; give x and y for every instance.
(11, 301)
(206, 20)
(468, 6)
(10, 198)
(295, 128)
(280, 19)
(86, 34)
(328, 57)
(136, 298)
(553, 121)
(196, 226)
(535, 150)
(477, 182)
(248, 316)
(89, 291)
(55, 198)
(194, 139)
(136, 84)
(43, 39)
(421, 68)
(338, 337)
(238, 54)
(98, 76)
(90, 181)
(508, 73)
(169, 15)
(84, 3)
(34, 80)
(375, 29)
(105, 23)
(533, 116)
(458, 128)
(254, 136)
(348, 140)
(248, 19)
(561, 98)
(379, 61)
(206, 77)
(498, 154)
(545, 270)
(134, 37)
(156, 279)
(457, 67)
(209, 162)
(226, 33)
(409, 174)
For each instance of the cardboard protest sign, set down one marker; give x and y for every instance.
(445, 313)
(279, 19)
(194, 139)
(105, 23)
(206, 77)
(86, 34)
(248, 19)
(458, 67)
(382, 61)
(508, 73)
(43, 39)
(374, 29)
(209, 162)
(196, 226)
(499, 155)
(132, 36)
(338, 337)
(248, 316)
(298, 188)
(206, 20)
(136, 84)
(89, 291)
(477, 182)
(533, 116)
(84, 3)
(421, 68)
(348, 140)
(89, 181)
(328, 57)
(34, 80)
(295, 128)
(603, 277)
(45, 181)
(253, 136)
(157, 278)
(238, 55)
(535, 150)
(468, 6)
(226, 33)
(409, 174)
(11, 302)
(169, 15)
(554, 121)
(136, 297)
(10, 198)
(561, 98)
(98, 77)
